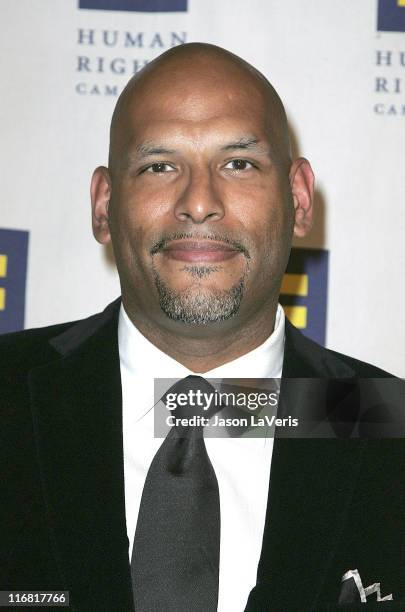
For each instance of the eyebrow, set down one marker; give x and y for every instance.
(242, 143)
(149, 149)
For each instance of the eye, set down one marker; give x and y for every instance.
(159, 168)
(239, 164)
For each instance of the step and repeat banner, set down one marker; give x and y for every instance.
(339, 67)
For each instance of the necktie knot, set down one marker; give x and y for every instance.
(190, 397)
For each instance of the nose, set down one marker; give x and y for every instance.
(200, 199)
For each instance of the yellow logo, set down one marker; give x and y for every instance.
(296, 284)
(303, 292)
(3, 274)
(13, 276)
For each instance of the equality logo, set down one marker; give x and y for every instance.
(13, 276)
(391, 16)
(141, 6)
(304, 291)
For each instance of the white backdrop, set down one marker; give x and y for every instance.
(321, 55)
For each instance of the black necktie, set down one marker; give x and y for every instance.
(175, 558)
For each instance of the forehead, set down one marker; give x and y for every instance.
(198, 135)
(196, 106)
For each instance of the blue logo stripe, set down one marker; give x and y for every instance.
(13, 275)
(391, 16)
(313, 263)
(145, 6)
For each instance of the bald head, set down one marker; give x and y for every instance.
(201, 200)
(188, 74)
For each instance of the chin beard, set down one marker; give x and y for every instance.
(199, 306)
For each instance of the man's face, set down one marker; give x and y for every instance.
(201, 213)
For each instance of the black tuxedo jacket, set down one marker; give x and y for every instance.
(334, 504)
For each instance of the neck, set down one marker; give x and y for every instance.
(207, 347)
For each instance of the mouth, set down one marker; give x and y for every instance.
(195, 251)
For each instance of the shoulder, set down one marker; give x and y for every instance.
(305, 358)
(362, 369)
(37, 346)
(19, 351)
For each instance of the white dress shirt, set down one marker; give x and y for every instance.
(242, 465)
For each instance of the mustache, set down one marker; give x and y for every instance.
(217, 237)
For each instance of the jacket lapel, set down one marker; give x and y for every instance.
(311, 485)
(76, 405)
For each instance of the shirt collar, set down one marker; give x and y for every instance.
(143, 359)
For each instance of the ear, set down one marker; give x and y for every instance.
(100, 191)
(302, 188)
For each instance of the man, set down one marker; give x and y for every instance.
(200, 201)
